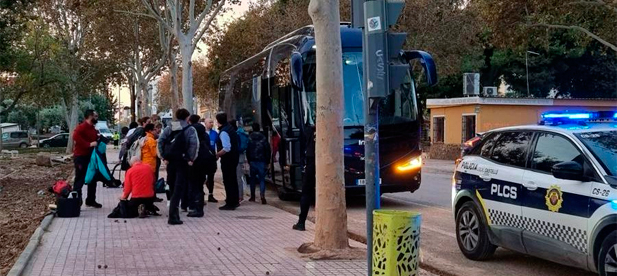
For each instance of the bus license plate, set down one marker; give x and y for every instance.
(362, 182)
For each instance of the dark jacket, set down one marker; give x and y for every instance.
(258, 149)
(205, 154)
(310, 142)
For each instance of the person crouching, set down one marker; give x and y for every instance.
(138, 194)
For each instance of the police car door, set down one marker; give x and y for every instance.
(500, 178)
(555, 211)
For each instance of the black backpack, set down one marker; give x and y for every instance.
(175, 146)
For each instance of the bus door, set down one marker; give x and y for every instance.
(290, 155)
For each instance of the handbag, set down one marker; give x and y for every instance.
(121, 210)
(68, 207)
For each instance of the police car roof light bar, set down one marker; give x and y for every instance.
(579, 118)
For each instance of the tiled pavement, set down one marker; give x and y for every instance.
(253, 240)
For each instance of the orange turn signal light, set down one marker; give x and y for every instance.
(413, 164)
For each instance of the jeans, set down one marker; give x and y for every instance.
(240, 175)
(81, 167)
(258, 173)
(228, 167)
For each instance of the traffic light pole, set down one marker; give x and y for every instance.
(382, 70)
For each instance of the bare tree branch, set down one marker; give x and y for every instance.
(578, 28)
(196, 23)
(156, 15)
(207, 25)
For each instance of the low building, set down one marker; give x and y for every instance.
(456, 120)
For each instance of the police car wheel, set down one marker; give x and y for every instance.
(471, 233)
(607, 259)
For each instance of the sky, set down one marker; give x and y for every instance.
(237, 11)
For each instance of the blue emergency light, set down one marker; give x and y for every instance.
(580, 118)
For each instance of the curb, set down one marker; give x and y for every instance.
(362, 239)
(23, 260)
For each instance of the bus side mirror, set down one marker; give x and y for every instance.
(430, 69)
(296, 70)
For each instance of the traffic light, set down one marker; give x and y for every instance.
(385, 69)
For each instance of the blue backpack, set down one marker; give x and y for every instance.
(243, 140)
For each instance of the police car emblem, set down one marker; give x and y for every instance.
(554, 198)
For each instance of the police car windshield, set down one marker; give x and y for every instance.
(603, 145)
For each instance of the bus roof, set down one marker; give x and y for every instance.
(300, 40)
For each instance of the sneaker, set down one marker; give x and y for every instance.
(252, 199)
(227, 208)
(263, 201)
(212, 199)
(94, 204)
(299, 227)
(195, 214)
(141, 209)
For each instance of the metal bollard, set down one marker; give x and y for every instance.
(396, 243)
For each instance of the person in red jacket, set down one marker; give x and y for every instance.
(84, 140)
(138, 185)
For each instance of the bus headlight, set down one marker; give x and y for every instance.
(413, 164)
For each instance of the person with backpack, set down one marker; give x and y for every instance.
(243, 141)
(228, 144)
(199, 169)
(212, 166)
(178, 147)
(258, 155)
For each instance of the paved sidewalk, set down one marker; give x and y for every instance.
(253, 240)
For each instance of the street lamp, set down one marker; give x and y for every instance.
(527, 67)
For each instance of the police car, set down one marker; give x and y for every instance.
(547, 190)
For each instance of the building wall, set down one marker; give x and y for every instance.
(490, 117)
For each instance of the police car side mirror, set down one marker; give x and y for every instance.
(569, 170)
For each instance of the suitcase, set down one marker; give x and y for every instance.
(69, 207)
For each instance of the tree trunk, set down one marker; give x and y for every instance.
(187, 73)
(72, 121)
(143, 102)
(175, 98)
(133, 96)
(331, 213)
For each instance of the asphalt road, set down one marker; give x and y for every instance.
(438, 242)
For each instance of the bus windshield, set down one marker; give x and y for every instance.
(398, 107)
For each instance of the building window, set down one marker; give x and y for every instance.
(469, 127)
(439, 127)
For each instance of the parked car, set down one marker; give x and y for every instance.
(16, 139)
(103, 128)
(58, 140)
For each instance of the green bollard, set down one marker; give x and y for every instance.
(396, 243)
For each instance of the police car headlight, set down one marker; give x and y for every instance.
(413, 164)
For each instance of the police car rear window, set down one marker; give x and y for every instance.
(484, 148)
(511, 148)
